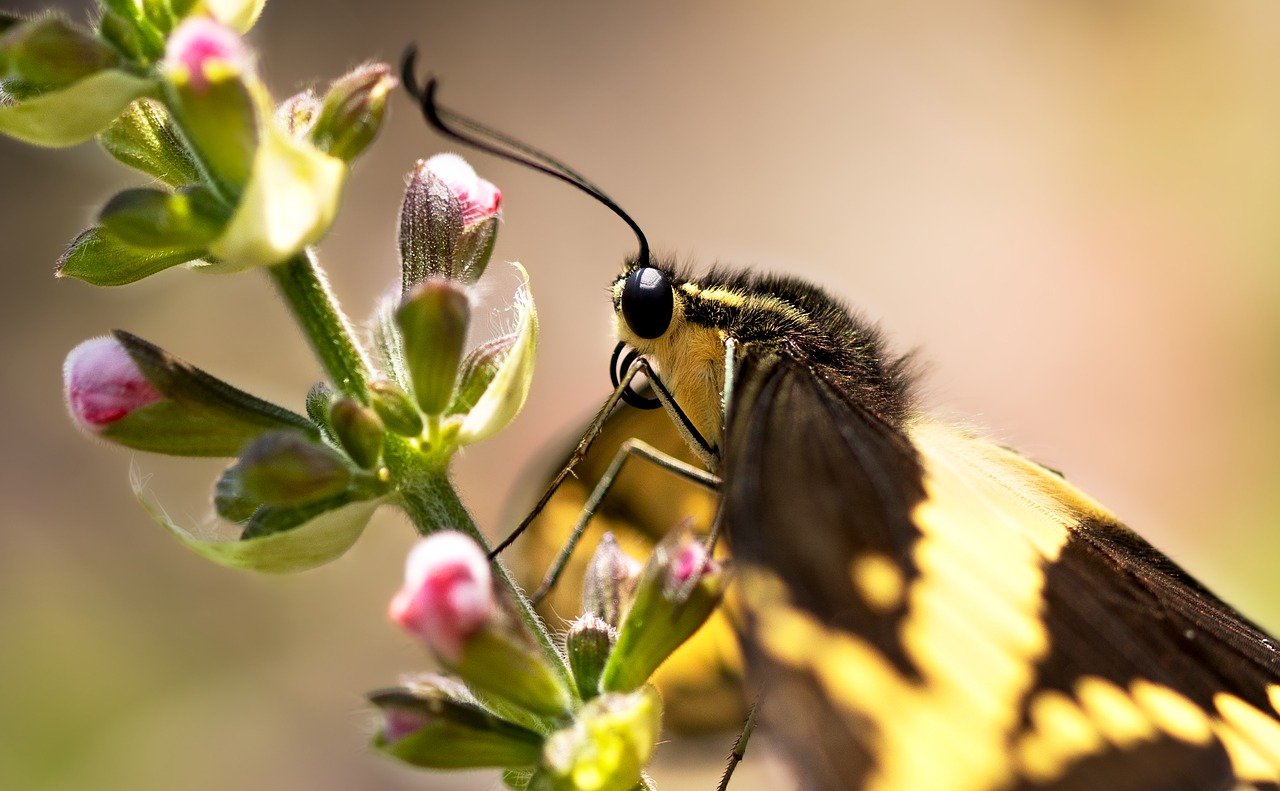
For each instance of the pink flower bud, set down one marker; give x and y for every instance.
(103, 384)
(691, 560)
(447, 595)
(480, 199)
(200, 42)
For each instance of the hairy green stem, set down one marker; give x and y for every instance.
(431, 502)
(303, 285)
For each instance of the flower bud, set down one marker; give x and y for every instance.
(145, 138)
(478, 199)
(607, 746)
(202, 51)
(395, 408)
(449, 602)
(48, 53)
(443, 200)
(153, 219)
(359, 430)
(588, 644)
(677, 591)
(286, 468)
(434, 723)
(477, 371)
(352, 112)
(609, 581)
(206, 66)
(297, 114)
(197, 414)
(103, 384)
(433, 320)
(447, 595)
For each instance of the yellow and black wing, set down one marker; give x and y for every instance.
(927, 610)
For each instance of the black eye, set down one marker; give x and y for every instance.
(647, 302)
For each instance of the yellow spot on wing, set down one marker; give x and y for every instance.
(879, 580)
(1172, 712)
(1117, 717)
(1256, 729)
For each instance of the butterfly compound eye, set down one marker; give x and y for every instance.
(647, 302)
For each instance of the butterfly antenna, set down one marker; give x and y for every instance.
(477, 135)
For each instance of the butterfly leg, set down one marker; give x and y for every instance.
(632, 447)
(739, 746)
(579, 453)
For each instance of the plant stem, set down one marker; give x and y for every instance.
(432, 504)
(303, 285)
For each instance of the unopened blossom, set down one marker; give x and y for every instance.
(103, 384)
(479, 198)
(199, 44)
(447, 595)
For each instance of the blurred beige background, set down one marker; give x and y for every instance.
(1072, 207)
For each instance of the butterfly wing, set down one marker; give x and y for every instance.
(928, 610)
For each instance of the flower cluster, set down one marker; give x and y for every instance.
(238, 181)
(588, 721)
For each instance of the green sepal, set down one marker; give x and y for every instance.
(389, 345)
(506, 393)
(100, 259)
(433, 321)
(430, 225)
(289, 469)
(220, 122)
(75, 113)
(200, 415)
(475, 248)
(288, 203)
(124, 35)
(271, 519)
(47, 53)
(395, 408)
(230, 500)
(477, 371)
(501, 663)
(312, 544)
(155, 219)
(456, 733)
(145, 138)
(319, 397)
(587, 645)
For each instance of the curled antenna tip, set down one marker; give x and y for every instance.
(408, 71)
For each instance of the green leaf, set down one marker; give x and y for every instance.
(101, 259)
(154, 219)
(313, 543)
(75, 113)
(146, 139)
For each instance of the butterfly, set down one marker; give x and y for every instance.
(922, 607)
